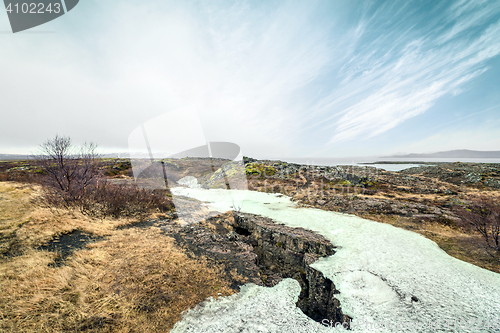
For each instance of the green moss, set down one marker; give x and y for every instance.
(341, 182)
(369, 183)
(251, 169)
(260, 169)
(270, 171)
(235, 170)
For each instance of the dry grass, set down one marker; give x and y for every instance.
(24, 225)
(14, 211)
(134, 280)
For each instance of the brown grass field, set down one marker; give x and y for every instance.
(132, 280)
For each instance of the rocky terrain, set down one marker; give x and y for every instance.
(254, 249)
(429, 199)
(425, 192)
(423, 199)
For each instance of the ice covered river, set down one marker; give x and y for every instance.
(390, 279)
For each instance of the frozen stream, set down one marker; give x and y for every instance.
(387, 277)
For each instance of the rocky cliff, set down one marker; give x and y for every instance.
(257, 250)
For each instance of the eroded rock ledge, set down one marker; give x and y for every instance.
(255, 249)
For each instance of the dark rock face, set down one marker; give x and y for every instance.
(319, 301)
(289, 252)
(256, 249)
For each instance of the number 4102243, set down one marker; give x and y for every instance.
(34, 8)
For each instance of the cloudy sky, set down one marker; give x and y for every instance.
(279, 78)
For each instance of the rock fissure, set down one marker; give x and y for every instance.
(257, 250)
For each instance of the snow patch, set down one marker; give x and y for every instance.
(189, 181)
(254, 309)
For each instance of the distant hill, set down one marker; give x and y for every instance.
(13, 157)
(4, 157)
(462, 153)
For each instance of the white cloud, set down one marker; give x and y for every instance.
(384, 84)
(241, 62)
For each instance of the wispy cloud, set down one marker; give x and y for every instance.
(402, 72)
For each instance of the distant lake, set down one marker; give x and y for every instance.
(392, 167)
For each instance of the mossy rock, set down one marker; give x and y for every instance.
(260, 169)
(342, 182)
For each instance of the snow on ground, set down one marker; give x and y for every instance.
(254, 309)
(189, 181)
(388, 278)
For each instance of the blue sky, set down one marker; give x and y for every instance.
(279, 78)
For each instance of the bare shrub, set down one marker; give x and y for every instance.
(483, 215)
(68, 170)
(18, 171)
(122, 200)
(4, 177)
(72, 178)
(104, 199)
